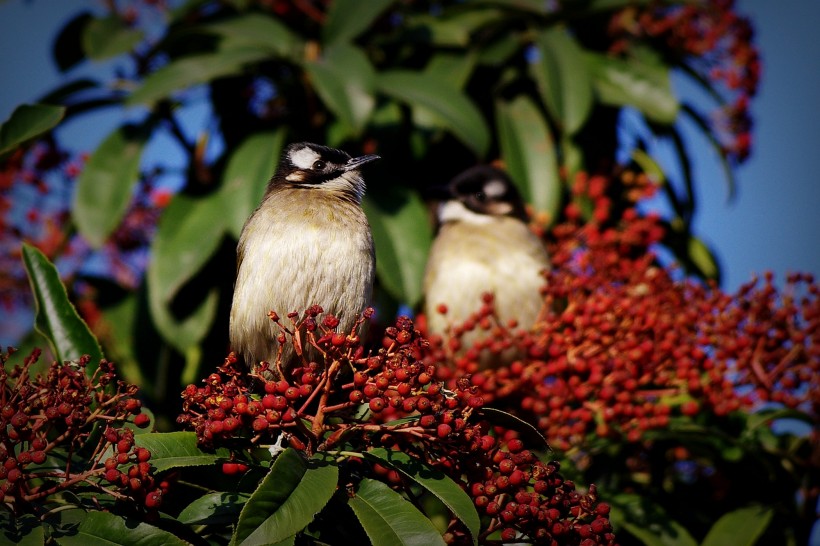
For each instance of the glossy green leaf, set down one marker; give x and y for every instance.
(286, 501)
(343, 78)
(641, 82)
(402, 235)
(100, 528)
(528, 151)
(214, 509)
(741, 527)
(455, 110)
(177, 450)
(109, 37)
(107, 182)
(389, 519)
(26, 122)
(22, 530)
(702, 258)
(346, 19)
(563, 78)
(258, 31)
(67, 48)
(449, 30)
(189, 232)
(187, 72)
(250, 166)
(56, 317)
(436, 482)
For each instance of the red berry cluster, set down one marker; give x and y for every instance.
(57, 414)
(715, 42)
(623, 347)
(393, 399)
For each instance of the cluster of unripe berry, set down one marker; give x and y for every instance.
(69, 411)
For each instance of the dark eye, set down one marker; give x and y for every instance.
(318, 165)
(480, 196)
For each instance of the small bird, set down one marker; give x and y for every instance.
(483, 245)
(308, 243)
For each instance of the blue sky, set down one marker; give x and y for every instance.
(771, 224)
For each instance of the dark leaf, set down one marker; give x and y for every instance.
(186, 72)
(641, 82)
(563, 78)
(389, 519)
(402, 235)
(188, 234)
(455, 110)
(68, 48)
(177, 450)
(346, 19)
(214, 509)
(436, 482)
(343, 78)
(56, 317)
(100, 528)
(741, 527)
(250, 166)
(26, 122)
(107, 182)
(286, 501)
(528, 151)
(255, 30)
(109, 37)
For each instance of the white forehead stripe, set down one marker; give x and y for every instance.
(494, 188)
(303, 158)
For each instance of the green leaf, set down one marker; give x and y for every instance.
(402, 235)
(346, 19)
(742, 527)
(702, 258)
(454, 69)
(214, 509)
(649, 166)
(189, 232)
(99, 528)
(563, 78)
(343, 78)
(286, 501)
(177, 450)
(528, 151)
(187, 72)
(67, 49)
(107, 182)
(56, 317)
(23, 530)
(26, 122)
(255, 30)
(436, 482)
(109, 37)
(456, 111)
(250, 167)
(389, 519)
(642, 82)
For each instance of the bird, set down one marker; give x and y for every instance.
(483, 245)
(307, 243)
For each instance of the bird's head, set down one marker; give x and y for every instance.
(478, 194)
(312, 166)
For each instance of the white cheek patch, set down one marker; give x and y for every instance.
(455, 211)
(303, 158)
(495, 188)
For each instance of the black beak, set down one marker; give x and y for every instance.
(356, 162)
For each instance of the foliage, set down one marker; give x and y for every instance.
(683, 404)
